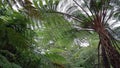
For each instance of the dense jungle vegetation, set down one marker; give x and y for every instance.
(59, 34)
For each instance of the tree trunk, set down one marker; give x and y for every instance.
(108, 51)
(104, 58)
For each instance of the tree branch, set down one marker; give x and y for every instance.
(82, 29)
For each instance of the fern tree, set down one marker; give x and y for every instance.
(82, 15)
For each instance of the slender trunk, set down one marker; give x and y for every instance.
(104, 58)
(108, 51)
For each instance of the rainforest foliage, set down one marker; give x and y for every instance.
(59, 34)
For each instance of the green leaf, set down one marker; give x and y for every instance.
(55, 58)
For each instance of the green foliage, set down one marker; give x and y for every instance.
(86, 55)
(4, 63)
(16, 40)
(15, 31)
(55, 58)
(19, 35)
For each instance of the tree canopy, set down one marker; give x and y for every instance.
(59, 33)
